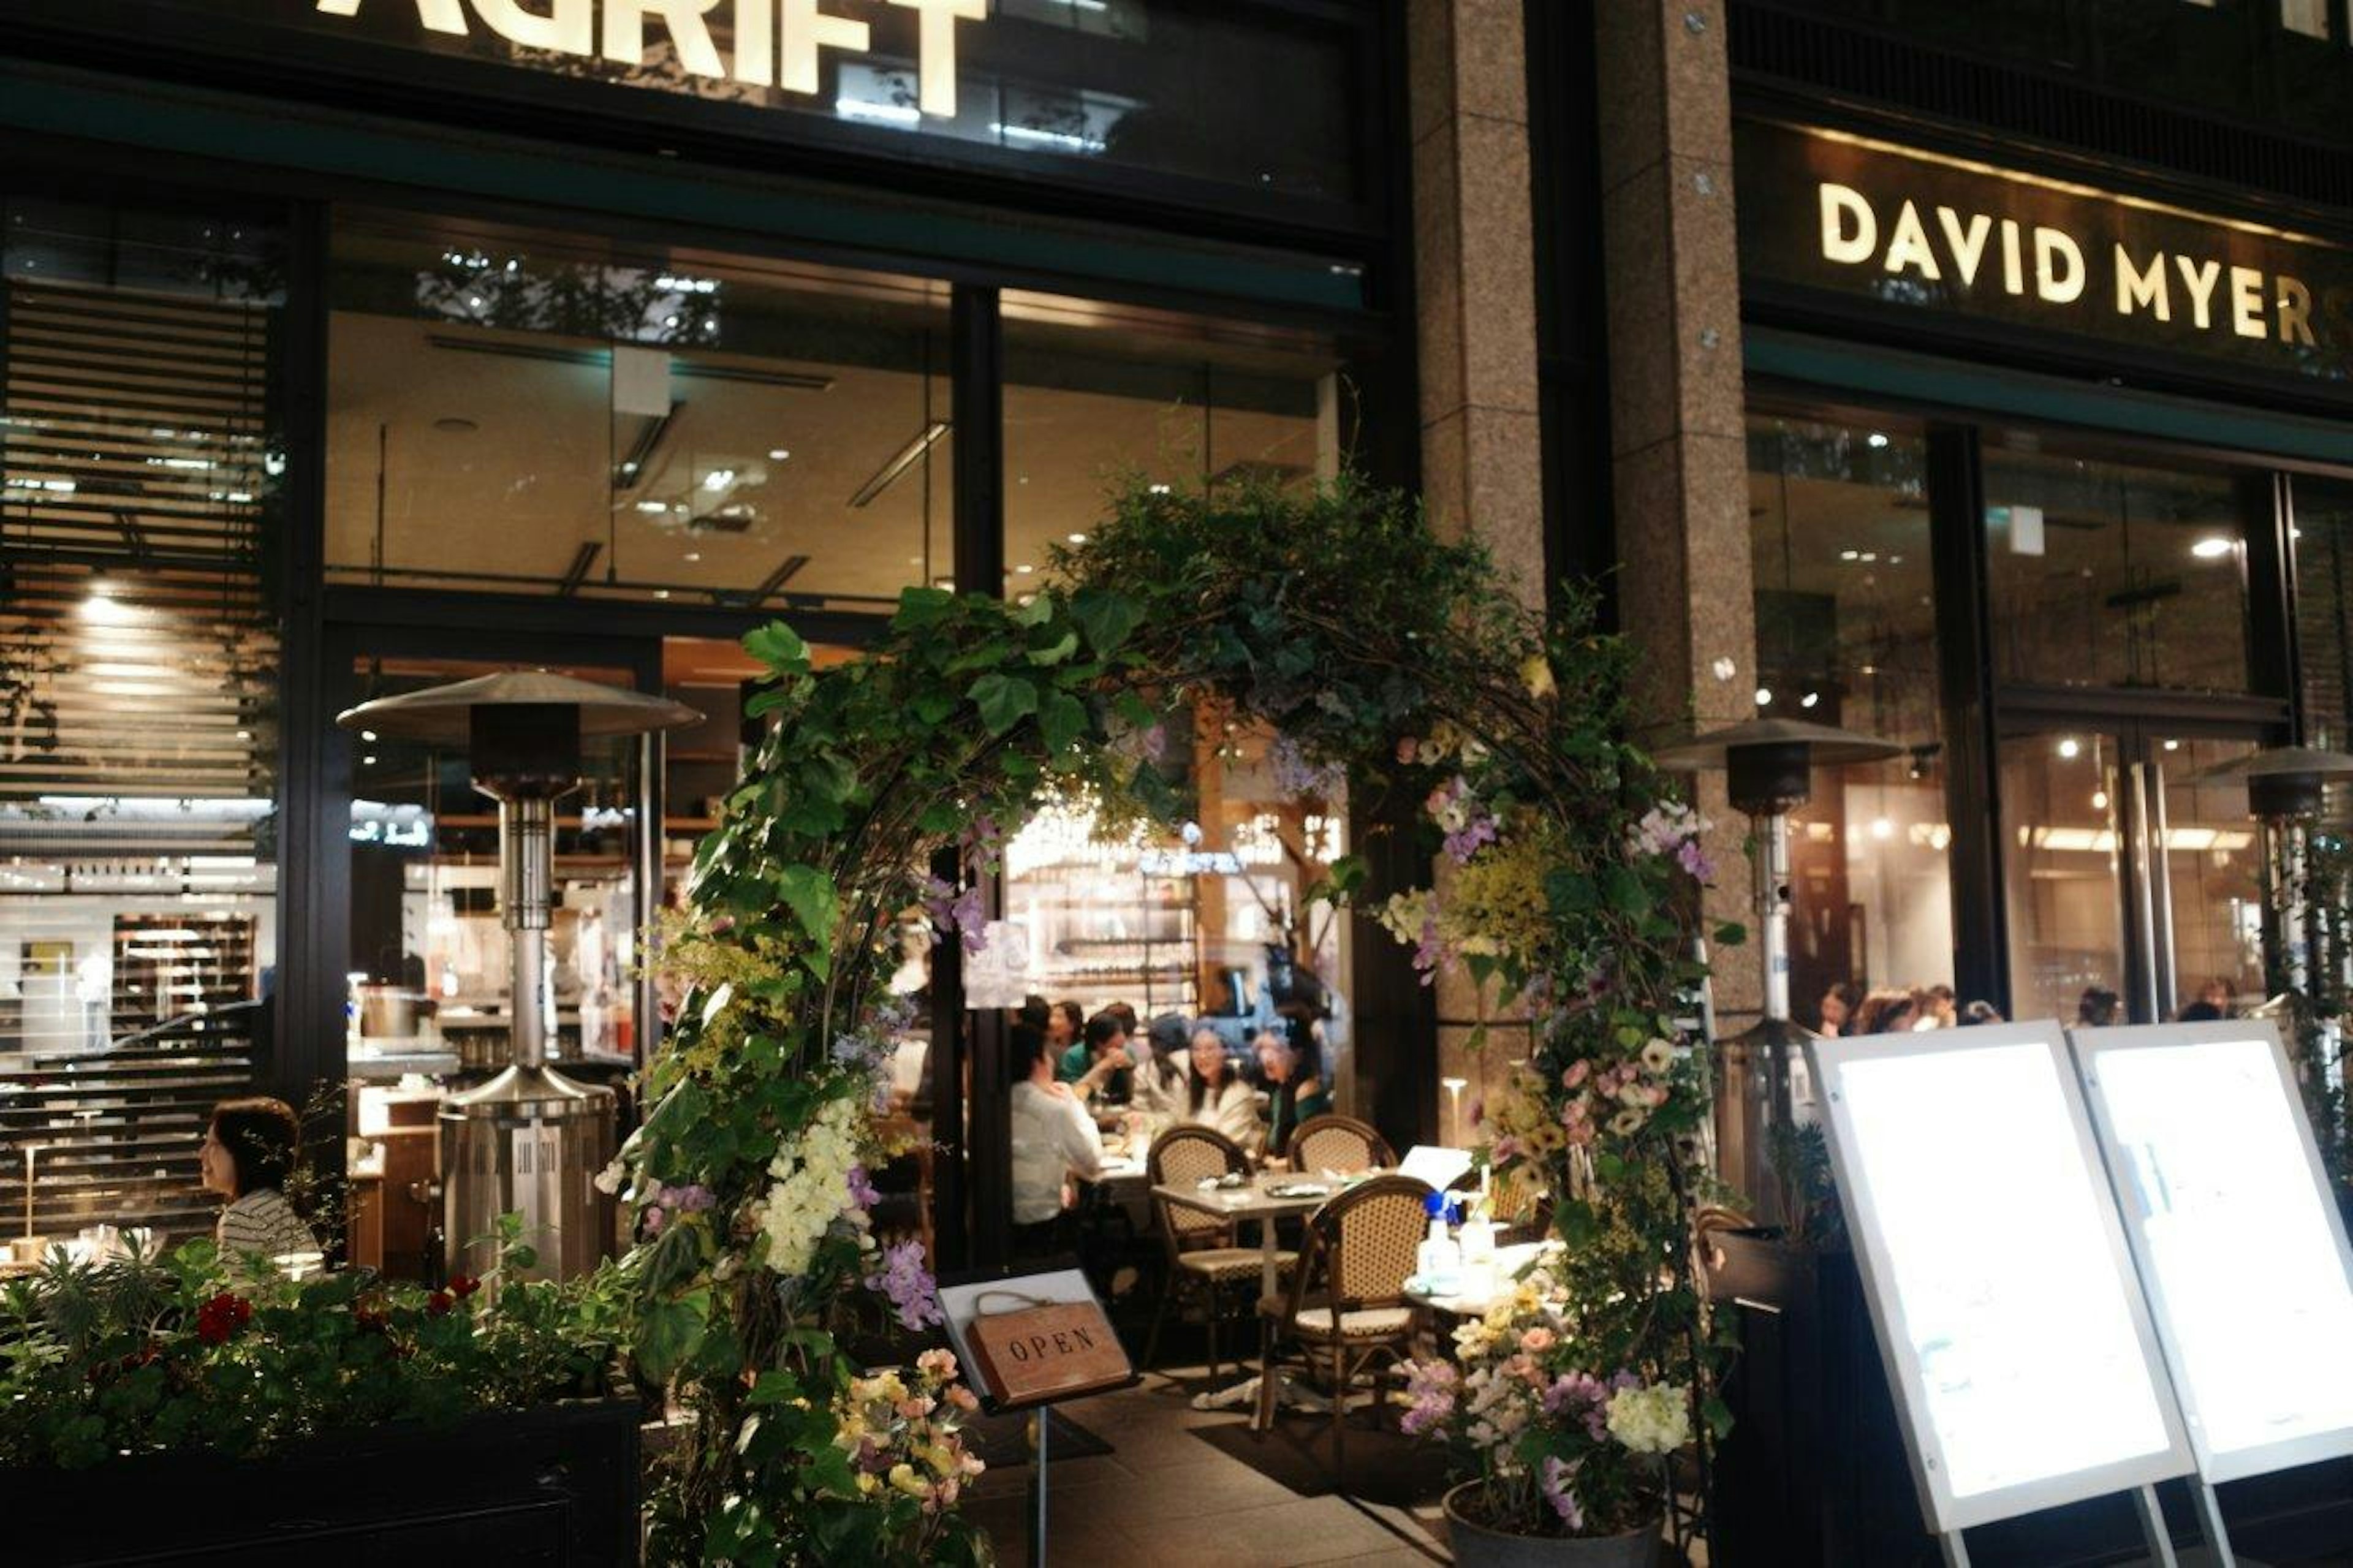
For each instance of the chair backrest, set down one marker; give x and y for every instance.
(1341, 1143)
(1181, 1156)
(1362, 1246)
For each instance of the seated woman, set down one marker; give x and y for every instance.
(1054, 1139)
(247, 1153)
(1160, 1075)
(1293, 1075)
(1216, 1096)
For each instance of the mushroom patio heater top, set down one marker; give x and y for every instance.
(1768, 765)
(531, 1141)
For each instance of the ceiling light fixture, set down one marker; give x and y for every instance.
(2212, 549)
(1764, 696)
(779, 455)
(2069, 748)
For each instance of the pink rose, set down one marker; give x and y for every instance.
(1406, 745)
(1578, 1071)
(1538, 1341)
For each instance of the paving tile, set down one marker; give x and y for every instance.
(1286, 1535)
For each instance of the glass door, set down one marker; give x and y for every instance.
(2132, 885)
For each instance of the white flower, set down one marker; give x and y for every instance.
(1653, 1420)
(1627, 1122)
(812, 1187)
(608, 1180)
(1658, 1056)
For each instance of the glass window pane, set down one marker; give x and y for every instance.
(526, 413)
(1846, 635)
(2323, 539)
(2113, 573)
(2061, 871)
(139, 648)
(424, 918)
(1097, 394)
(2309, 17)
(2214, 869)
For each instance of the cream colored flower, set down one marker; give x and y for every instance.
(1659, 1056)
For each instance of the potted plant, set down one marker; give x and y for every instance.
(1565, 1463)
(337, 1404)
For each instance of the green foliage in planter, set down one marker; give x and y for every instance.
(1379, 651)
(189, 1351)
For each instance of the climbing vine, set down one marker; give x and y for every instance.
(1377, 650)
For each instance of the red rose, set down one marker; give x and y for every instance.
(221, 1317)
(464, 1285)
(371, 1319)
(439, 1302)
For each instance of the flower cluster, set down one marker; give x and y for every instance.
(1673, 829)
(1297, 777)
(903, 1279)
(811, 1193)
(1468, 825)
(903, 1432)
(959, 911)
(1558, 1447)
(221, 1318)
(692, 1199)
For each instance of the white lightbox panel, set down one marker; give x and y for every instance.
(2013, 1329)
(2239, 1240)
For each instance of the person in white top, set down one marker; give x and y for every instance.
(249, 1152)
(1216, 1096)
(1053, 1139)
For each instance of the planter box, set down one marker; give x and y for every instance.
(1814, 1472)
(558, 1485)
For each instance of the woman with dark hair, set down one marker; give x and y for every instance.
(1840, 1003)
(1293, 1079)
(1888, 1011)
(1216, 1095)
(1160, 1075)
(247, 1155)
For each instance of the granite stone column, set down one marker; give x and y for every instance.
(1678, 454)
(1481, 441)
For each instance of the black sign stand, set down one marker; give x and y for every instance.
(953, 1296)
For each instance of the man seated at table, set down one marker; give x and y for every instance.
(1054, 1139)
(1098, 1062)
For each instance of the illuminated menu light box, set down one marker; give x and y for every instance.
(2242, 1248)
(2016, 1342)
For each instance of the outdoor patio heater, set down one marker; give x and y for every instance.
(531, 1141)
(2285, 789)
(1760, 1075)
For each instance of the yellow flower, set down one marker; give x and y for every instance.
(903, 1479)
(867, 1484)
(1535, 674)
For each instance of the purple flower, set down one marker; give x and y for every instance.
(861, 1189)
(1431, 1385)
(1558, 1475)
(1154, 741)
(908, 1284)
(1694, 860)
(1430, 951)
(1294, 775)
(961, 912)
(1580, 1395)
(692, 1198)
(983, 840)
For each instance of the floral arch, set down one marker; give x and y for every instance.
(1337, 616)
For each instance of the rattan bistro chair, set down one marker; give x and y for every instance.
(1347, 1305)
(1205, 1262)
(1341, 1144)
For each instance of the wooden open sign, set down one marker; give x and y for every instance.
(1037, 1354)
